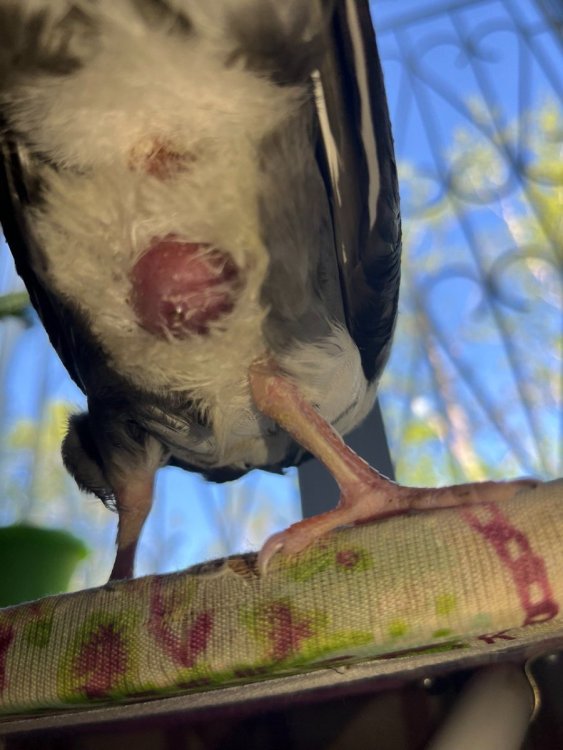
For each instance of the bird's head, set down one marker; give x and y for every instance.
(83, 459)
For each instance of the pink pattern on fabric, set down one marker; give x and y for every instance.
(492, 638)
(526, 567)
(284, 630)
(6, 638)
(184, 648)
(348, 558)
(101, 659)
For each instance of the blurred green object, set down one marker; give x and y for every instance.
(15, 304)
(36, 562)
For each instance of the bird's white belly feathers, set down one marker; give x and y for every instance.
(142, 92)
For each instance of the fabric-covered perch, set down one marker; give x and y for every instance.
(435, 585)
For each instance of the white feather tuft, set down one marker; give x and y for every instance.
(100, 214)
(329, 373)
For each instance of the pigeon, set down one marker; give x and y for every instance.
(202, 201)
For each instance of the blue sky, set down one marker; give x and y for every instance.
(431, 84)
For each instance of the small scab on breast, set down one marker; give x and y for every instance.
(156, 157)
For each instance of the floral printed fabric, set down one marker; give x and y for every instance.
(436, 581)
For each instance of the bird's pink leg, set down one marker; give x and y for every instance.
(365, 494)
(134, 501)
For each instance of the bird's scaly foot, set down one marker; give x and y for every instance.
(364, 506)
(366, 495)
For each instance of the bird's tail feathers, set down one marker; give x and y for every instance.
(281, 40)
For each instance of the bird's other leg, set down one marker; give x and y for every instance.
(365, 494)
(133, 497)
(111, 457)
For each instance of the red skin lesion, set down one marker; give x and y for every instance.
(180, 288)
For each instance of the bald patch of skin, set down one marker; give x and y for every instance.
(180, 288)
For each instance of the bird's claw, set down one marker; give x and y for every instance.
(288, 542)
(272, 545)
(299, 536)
(292, 540)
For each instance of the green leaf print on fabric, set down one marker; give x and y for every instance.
(324, 556)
